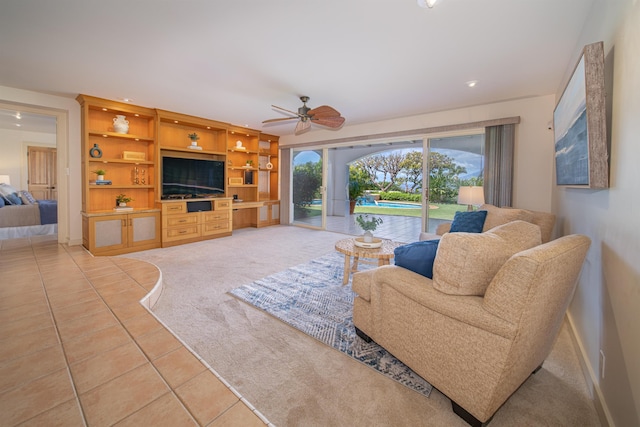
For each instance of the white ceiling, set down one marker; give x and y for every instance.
(229, 60)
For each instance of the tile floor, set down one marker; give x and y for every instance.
(77, 348)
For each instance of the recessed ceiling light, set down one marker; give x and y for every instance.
(472, 83)
(18, 116)
(426, 3)
(18, 124)
(126, 99)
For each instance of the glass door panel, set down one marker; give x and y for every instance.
(308, 198)
(452, 162)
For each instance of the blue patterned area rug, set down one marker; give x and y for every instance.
(311, 298)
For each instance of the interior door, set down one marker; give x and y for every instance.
(42, 172)
(308, 188)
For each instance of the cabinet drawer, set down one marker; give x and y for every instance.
(222, 204)
(215, 227)
(179, 220)
(215, 216)
(174, 208)
(178, 233)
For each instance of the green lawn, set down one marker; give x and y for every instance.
(437, 211)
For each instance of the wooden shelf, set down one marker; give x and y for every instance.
(127, 136)
(189, 150)
(123, 161)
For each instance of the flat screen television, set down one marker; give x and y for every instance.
(192, 177)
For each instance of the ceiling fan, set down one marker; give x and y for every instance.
(323, 115)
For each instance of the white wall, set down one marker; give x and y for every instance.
(605, 311)
(68, 136)
(13, 148)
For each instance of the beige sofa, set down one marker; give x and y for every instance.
(485, 322)
(498, 216)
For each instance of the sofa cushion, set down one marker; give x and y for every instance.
(417, 256)
(467, 262)
(498, 216)
(468, 222)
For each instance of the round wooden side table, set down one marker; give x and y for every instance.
(347, 247)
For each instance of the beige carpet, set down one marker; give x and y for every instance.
(296, 381)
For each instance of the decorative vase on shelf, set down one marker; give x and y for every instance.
(122, 204)
(95, 152)
(367, 237)
(100, 178)
(120, 124)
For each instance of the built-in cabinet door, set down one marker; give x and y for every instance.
(108, 233)
(118, 233)
(143, 228)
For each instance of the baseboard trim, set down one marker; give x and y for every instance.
(590, 377)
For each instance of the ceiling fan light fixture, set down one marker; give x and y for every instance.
(427, 3)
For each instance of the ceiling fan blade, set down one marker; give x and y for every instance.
(324, 111)
(279, 120)
(302, 126)
(285, 110)
(332, 122)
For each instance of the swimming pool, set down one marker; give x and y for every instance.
(382, 204)
(388, 204)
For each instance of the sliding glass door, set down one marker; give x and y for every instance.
(308, 188)
(451, 162)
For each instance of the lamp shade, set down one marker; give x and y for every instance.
(5, 179)
(471, 196)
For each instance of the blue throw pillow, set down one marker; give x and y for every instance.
(468, 222)
(417, 257)
(2, 202)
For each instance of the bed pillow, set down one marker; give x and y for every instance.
(417, 257)
(467, 262)
(27, 198)
(9, 194)
(468, 222)
(13, 199)
(6, 189)
(2, 202)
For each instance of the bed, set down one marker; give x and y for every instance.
(23, 216)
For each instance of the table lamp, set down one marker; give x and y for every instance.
(471, 195)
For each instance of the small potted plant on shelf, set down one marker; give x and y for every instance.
(194, 141)
(369, 225)
(122, 200)
(100, 173)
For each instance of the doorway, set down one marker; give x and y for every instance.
(23, 127)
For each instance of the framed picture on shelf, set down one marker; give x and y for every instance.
(579, 124)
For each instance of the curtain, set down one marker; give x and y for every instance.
(498, 170)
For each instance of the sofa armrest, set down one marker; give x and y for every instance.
(466, 309)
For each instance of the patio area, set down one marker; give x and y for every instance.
(404, 229)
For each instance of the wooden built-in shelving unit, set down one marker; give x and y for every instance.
(133, 161)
